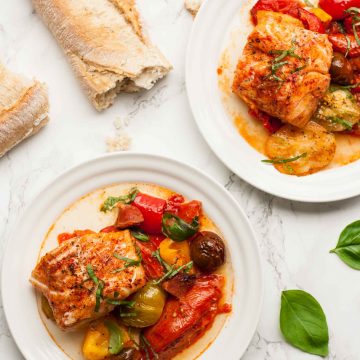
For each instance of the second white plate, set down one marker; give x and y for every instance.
(210, 35)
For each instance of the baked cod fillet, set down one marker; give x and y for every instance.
(82, 274)
(284, 69)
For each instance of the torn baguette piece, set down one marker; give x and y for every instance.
(105, 44)
(24, 108)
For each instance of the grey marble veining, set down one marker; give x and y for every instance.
(294, 238)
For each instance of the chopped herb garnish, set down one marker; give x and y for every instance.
(128, 262)
(100, 286)
(172, 272)
(145, 341)
(354, 12)
(139, 235)
(111, 201)
(284, 161)
(116, 342)
(348, 43)
(177, 229)
(308, 3)
(277, 62)
(334, 119)
(156, 254)
(126, 303)
(127, 314)
(299, 69)
(334, 88)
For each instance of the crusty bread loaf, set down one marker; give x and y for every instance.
(105, 44)
(193, 6)
(23, 108)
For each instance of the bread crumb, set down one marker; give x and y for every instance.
(193, 6)
(121, 141)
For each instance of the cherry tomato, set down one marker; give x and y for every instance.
(190, 210)
(271, 124)
(152, 209)
(336, 8)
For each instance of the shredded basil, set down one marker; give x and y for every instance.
(334, 119)
(111, 201)
(348, 43)
(116, 342)
(309, 4)
(156, 254)
(126, 303)
(100, 286)
(178, 229)
(146, 344)
(284, 161)
(172, 272)
(139, 235)
(354, 12)
(128, 262)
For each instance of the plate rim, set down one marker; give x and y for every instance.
(316, 197)
(6, 299)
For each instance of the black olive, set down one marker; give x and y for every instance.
(207, 251)
(126, 354)
(341, 70)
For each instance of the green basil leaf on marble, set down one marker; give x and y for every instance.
(348, 246)
(303, 322)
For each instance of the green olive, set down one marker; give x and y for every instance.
(207, 251)
(341, 70)
(46, 308)
(148, 307)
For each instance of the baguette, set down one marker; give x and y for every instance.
(105, 45)
(23, 108)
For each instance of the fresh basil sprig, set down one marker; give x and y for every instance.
(303, 322)
(139, 235)
(177, 229)
(348, 246)
(116, 342)
(111, 201)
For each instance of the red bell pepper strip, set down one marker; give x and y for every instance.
(340, 44)
(336, 8)
(152, 209)
(271, 124)
(293, 8)
(153, 269)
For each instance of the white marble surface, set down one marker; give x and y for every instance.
(294, 238)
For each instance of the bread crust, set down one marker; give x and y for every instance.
(24, 109)
(193, 6)
(105, 45)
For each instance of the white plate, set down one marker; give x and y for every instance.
(211, 33)
(21, 255)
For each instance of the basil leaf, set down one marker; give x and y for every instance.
(303, 322)
(111, 201)
(348, 246)
(116, 342)
(100, 286)
(178, 229)
(139, 235)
